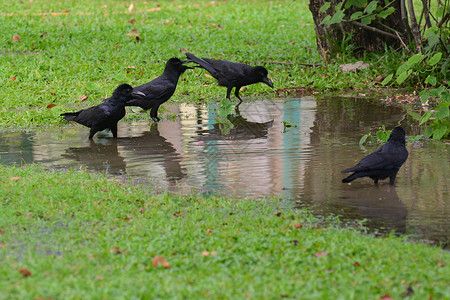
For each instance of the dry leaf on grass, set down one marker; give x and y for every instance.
(160, 261)
(16, 38)
(82, 98)
(25, 272)
(115, 250)
(321, 253)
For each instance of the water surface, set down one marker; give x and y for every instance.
(262, 157)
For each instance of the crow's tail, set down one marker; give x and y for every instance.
(70, 116)
(205, 65)
(355, 175)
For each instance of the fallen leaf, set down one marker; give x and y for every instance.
(115, 250)
(386, 297)
(154, 9)
(207, 75)
(13, 78)
(356, 264)
(298, 225)
(142, 209)
(82, 98)
(51, 105)
(209, 231)
(14, 178)
(130, 8)
(159, 260)
(440, 264)
(16, 38)
(132, 21)
(205, 253)
(321, 253)
(25, 272)
(278, 214)
(126, 219)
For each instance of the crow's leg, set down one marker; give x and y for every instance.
(236, 93)
(229, 92)
(392, 178)
(154, 113)
(92, 132)
(113, 129)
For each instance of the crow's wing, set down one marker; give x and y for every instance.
(229, 71)
(158, 89)
(94, 115)
(386, 157)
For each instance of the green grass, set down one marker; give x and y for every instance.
(84, 236)
(87, 51)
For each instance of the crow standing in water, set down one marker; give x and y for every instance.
(160, 89)
(232, 75)
(384, 162)
(105, 115)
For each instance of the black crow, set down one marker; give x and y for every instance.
(232, 75)
(384, 162)
(160, 89)
(107, 114)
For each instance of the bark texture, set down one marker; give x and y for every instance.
(370, 38)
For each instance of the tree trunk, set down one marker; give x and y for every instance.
(368, 38)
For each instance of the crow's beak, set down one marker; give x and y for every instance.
(268, 82)
(137, 94)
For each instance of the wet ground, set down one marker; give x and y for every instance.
(262, 157)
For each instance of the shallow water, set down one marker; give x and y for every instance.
(260, 157)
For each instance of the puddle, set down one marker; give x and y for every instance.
(260, 157)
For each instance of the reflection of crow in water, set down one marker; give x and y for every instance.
(384, 162)
(151, 147)
(380, 206)
(99, 157)
(242, 130)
